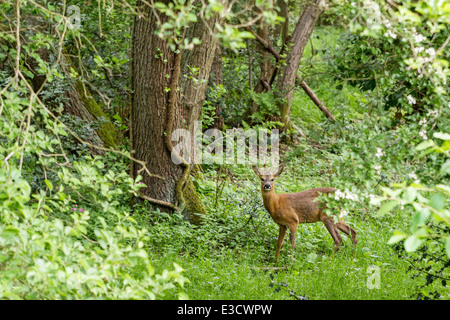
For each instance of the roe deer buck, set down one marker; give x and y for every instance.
(290, 209)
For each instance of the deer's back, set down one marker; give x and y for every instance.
(303, 203)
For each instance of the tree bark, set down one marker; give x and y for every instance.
(283, 28)
(155, 70)
(288, 73)
(152, 66)
(217, 78)
(265, 52)
(83, 105)
(200, 60)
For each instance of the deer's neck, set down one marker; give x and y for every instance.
(270, 200)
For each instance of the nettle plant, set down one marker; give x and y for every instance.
(407, 149)
(429, 202)
(70, 239)
(65, 227)
(398, 52)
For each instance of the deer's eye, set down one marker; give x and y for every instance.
(262, 179)
(271, 180)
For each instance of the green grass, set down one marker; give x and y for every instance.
(242, 271)
(228, 259)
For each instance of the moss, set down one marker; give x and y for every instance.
(106, 129)
(194, 206)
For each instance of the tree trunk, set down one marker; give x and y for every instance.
(217, 78)
(152, 61)
(316, 100)
(288, 73)
(265, 66)
(83, 105)
(201, 60)
(196, 68)
(155, 69)
(282, 28)
(80, 102)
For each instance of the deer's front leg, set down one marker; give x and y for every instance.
(281, 235)
(293, 233)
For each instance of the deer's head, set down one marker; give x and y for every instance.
(267, 177)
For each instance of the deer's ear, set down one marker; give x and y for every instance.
(256, 170)
(280, 170)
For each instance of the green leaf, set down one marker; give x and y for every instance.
(437, 201)
(442, 135)
(443, 187)
(312, 257)
(446, 167)
(386, 207)
(49, 184)
(419, 218)
(425, 145)
(397, 237)
(10, 232)
(409, 195)
(447, 247)
(99, 164)
(413, 243)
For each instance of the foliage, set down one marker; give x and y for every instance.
(430, 222)
(215, 95)
(235, 83)
(69, 237)
(268, 109)
(64, 230)
(398, 56)
(43, 257)
(68, 231)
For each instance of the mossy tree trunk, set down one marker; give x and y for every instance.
(79, 100)
(81, 103)
(285, 69)
(155, 68)
(288, 72)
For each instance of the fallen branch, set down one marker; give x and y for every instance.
(316, 100)
(300, 132)
(160, 202)
(303, 84)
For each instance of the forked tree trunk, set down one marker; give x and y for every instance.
(282, 29)
(154, 66)
(79, 101)
(286, 79)
(196, 66)
(151, 70)
(265, 67)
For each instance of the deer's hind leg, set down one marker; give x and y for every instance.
(341, 225)
(293, 233)
(332, 229)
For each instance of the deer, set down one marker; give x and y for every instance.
(288, 210)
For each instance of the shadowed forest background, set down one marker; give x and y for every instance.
(93, 207)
